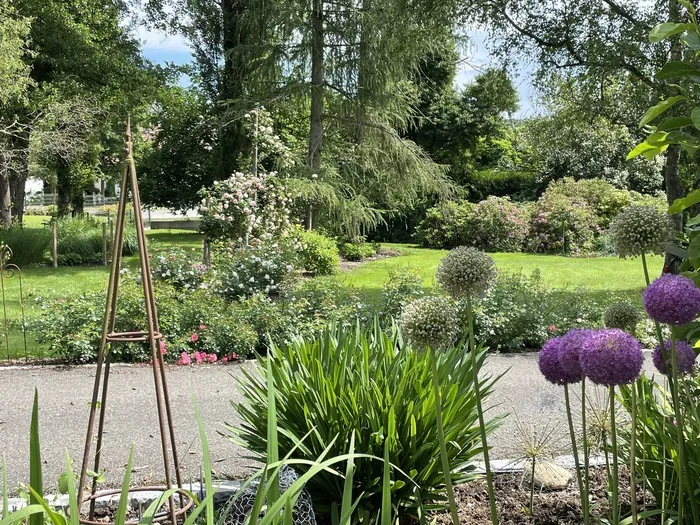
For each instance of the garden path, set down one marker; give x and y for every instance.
(64, 395)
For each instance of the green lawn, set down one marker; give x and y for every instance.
(599, 275)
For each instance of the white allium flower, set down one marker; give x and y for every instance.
(430, 322)
(638, 230)
(466, 272)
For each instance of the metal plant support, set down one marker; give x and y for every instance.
(110, 337)
(7, 271)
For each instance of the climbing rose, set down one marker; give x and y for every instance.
(611, 357)
(572, 344)
(549, 361)
(466, 272)
(430, 322)
(672, 299)
(685, 358)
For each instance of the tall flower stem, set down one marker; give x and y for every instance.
(480, 412)
(574, 447)
(615, 478)
(586, 477)
(633, 455)
(447, 471)
(679, 428)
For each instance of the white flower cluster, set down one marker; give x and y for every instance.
(466, 272)
(430, 322)
(640, 230)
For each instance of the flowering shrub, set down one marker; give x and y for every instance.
(559, 224)
(245, 208)
(244, 271)
(496, 225)
(179, 267)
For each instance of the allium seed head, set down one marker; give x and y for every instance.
(611, 357)
(672, 299)
(622, 315)
(466, 272)
(430, 322)
(638, 230)
(685, 358)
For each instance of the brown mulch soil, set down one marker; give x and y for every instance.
(346, 266)
(550, 507)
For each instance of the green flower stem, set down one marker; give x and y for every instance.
(615, 478)
(679, 428)
(633, 455)
(574, 448)
(447, 471)
(480, 412)
(586, 477)
(657, 326)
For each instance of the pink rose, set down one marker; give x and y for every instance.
(162, 347)
(202, 327)
(194, 338)
(211, 358)
(184, 359)
(199, 357)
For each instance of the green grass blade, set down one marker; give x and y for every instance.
(5, 500)
(259, 498)
(124, 497)
(288, 517)
(386, 487)
(272, 444)
(347, 507)
(206, 456)
(54, 517)
(72, 498)
(153, 508)
(35, 476)
(21, 515)
(204, 504)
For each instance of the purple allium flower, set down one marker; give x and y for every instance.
(685, 358)
(611, 357)
(549, 361)
(569, 356)
(672, 299)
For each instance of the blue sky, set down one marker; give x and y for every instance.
(160, 48)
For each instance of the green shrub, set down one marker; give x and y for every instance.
(317, 253)
(520, 311)
(518, 185)
(404, 284)
(444, 225)
(71, 325)
(362, 383)
(29, 245)
(356, 251)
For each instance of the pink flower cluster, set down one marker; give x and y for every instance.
(197, 357)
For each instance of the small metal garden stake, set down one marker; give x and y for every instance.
(151, 335)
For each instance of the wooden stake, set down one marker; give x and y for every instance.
(54, 245)
(104, 243)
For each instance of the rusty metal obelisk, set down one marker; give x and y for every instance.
(110, 337)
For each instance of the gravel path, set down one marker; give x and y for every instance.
(64, 396)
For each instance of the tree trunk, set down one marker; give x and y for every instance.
(18, 201)
(5, 200)
(18, 180)
(316, 120)
(233, 140)
(64, 188)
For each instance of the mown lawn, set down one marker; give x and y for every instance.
(600, 276)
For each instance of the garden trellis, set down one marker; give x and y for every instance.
(151, 335)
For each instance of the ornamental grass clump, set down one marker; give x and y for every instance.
(467, 273)
(560, 364)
